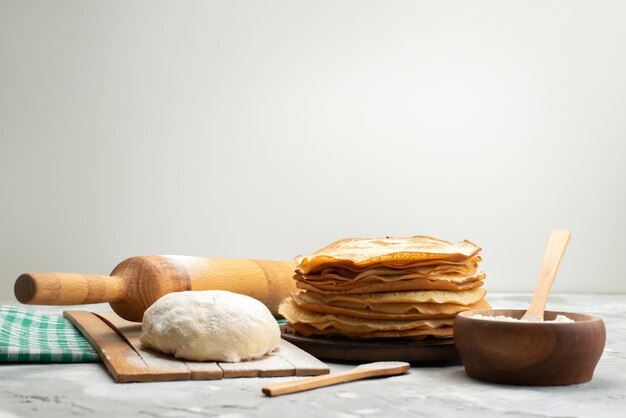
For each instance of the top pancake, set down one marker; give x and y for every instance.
(359, 254)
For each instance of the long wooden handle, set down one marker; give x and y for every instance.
(317, 382)
(551, 261)
(67, 288)
(361, 372)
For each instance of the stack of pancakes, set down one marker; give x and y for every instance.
(385, 288)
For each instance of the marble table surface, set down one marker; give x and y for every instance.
(63, 390)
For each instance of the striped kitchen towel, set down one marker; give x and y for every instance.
(26, 337)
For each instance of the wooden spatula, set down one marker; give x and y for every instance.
(551, 261)
(380, 368)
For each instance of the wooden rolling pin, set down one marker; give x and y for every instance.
(137, 282)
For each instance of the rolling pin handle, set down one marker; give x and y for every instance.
(67, 288)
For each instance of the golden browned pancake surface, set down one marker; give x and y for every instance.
(360, 253)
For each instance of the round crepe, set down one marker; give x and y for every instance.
(294, 314)
(307, 302)
(395, 286)
(359, 254)
(412, 334)
(464, 297)
(407, 308)
(430, 268)
(374, 276)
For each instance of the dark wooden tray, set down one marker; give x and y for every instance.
(344, 350)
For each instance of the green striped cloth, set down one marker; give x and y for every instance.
(28, 337)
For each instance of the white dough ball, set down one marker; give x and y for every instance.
(211, 325)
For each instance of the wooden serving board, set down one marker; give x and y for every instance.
(117, 342)
(429, 352)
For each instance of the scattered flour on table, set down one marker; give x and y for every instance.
(347, 395)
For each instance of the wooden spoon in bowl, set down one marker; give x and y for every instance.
(551, 261)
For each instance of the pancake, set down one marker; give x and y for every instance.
(464, 297)
(432, 268)
(294, 314)
(434, 311)
(407, 308)
(397, 286)
(385, 277)
(413, 334)
(359, 254)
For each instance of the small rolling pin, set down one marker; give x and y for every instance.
(137, 282)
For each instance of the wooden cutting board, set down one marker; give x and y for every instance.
(117, 342)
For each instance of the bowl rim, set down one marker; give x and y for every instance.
(470, 313)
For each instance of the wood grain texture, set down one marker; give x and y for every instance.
(181, 370)
(549, 267)
(146, 279)
(277, 287)
(271, 365)
(67, 288)
(304, 363)
(122, 362)
(138, 282)
(357, 373)
(202, 370)
(159, 366)
(117, 342)
(529, 353)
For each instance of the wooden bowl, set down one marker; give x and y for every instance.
(529, 353)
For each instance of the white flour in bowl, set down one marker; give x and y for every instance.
(559, 318)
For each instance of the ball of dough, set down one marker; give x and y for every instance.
(211, 325)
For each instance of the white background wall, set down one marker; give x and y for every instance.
(267, 129)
